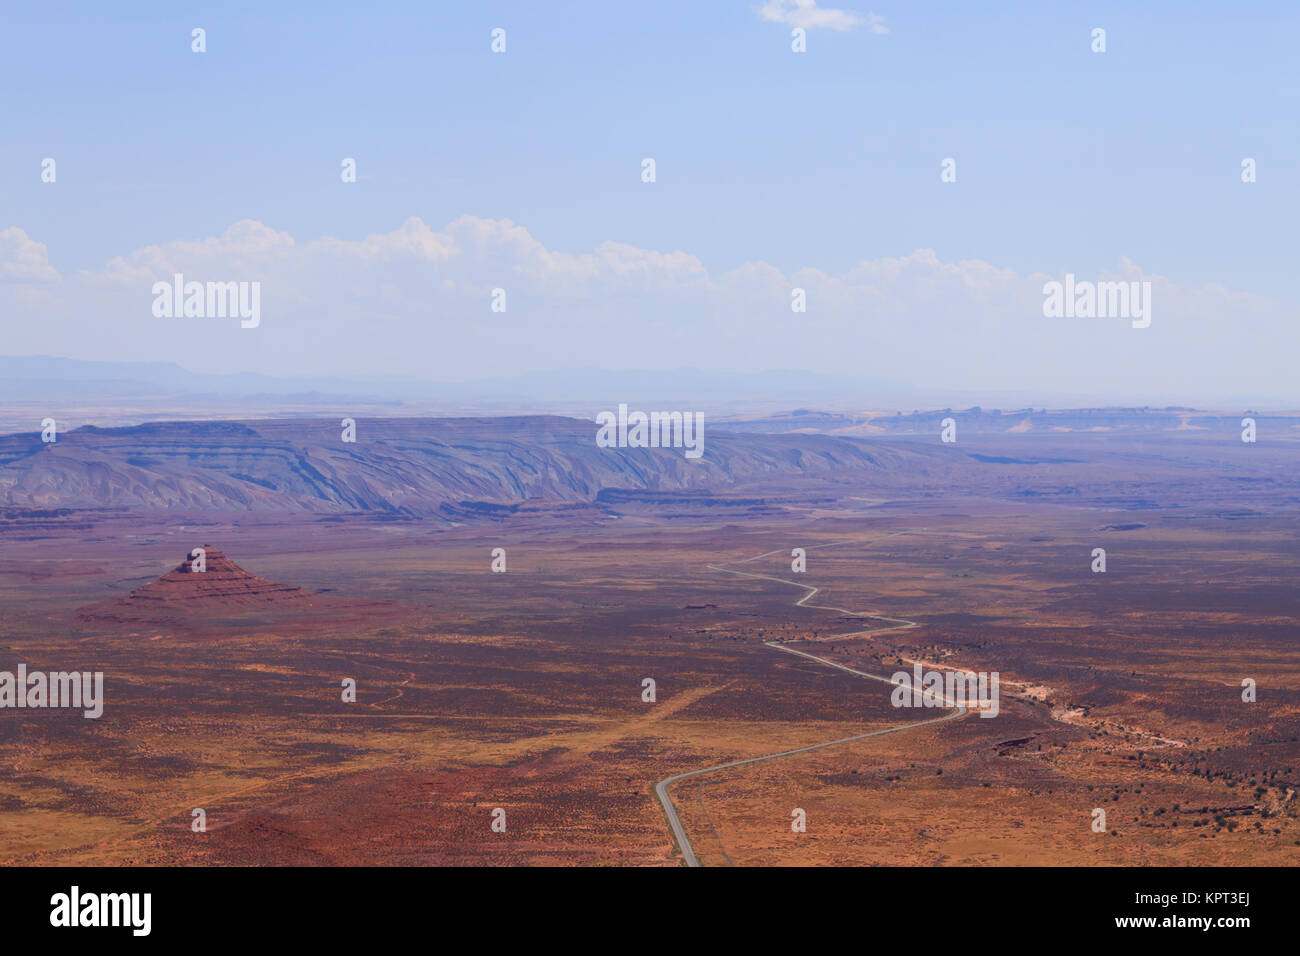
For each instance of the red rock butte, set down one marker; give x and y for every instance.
(223, 592)
(221, 582)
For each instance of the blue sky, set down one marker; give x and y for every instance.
(1067, 160)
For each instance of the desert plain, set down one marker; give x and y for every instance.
(522, 691)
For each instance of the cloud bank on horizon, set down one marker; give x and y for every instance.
(418, 301)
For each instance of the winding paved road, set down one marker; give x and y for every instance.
(661, 788)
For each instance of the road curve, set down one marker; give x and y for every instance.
(661, 788)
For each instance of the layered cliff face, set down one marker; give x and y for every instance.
(423, 467)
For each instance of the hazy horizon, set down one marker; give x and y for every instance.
(48, 380)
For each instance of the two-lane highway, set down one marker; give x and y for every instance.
(661, 788)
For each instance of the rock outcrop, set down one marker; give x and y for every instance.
(207, 576)
(206, 583)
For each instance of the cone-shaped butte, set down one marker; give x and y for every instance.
(207, 576)
(208, 590)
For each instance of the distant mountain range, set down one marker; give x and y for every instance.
(60, 382)
(44, 378)
(992, 421)
(33, 378)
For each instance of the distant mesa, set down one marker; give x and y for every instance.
(446, 471)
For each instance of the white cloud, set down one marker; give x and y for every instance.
(416, 301)
(806, 14)
(22, 258)
(242, 244)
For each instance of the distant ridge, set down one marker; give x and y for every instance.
(436, 469)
